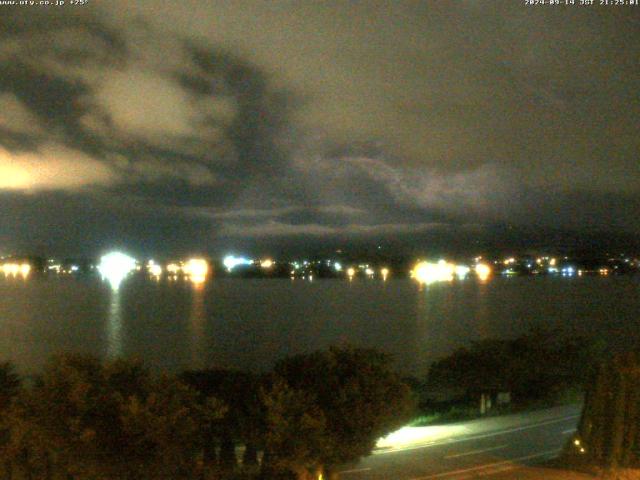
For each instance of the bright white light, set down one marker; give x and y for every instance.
(115, 266)
(337, 266)
(462, 271)
(411, 437)
(369, 271)
(231, 262)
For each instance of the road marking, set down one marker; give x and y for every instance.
(475, 437)
(567, 432)
(355, 470)
(491, 471)
(475, 452)
(490, 465)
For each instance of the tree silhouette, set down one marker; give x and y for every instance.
(85, 419)
(352, 398)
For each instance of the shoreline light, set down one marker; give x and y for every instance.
(231, 261)
(462, 271)
(115, 266)
(385, 273)
(173, 268)
(196, 269)
(15, 269)
(154, 269)
(483, 271)
(427, 273)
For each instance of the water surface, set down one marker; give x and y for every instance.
(251, 323)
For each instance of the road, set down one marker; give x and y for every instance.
(477, 449)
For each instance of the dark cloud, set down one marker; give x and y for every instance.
(237, 122)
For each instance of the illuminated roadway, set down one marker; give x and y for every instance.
(477, 449)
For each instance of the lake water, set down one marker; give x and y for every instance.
(251, 323)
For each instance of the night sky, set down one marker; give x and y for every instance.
(199, 126)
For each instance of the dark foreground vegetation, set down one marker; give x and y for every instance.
(86, 419)
(536, 370)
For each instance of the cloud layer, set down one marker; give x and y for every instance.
(257, 120)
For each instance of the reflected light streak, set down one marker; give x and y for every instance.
(197, 322)
(114, 324)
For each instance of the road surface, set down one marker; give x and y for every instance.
(477, 449)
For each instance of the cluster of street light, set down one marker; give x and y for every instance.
(116, 266)
(14, 269)
(424, 272)
(427, 273)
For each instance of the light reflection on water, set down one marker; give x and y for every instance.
(114, 324)
(252, 323)
(197, 320)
